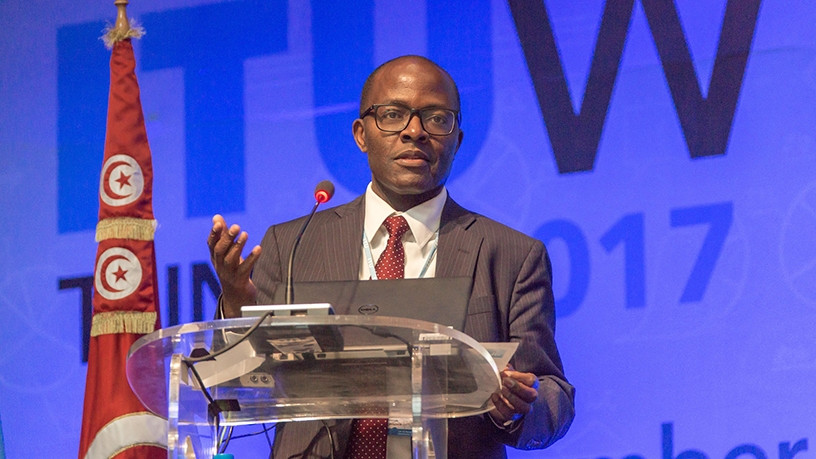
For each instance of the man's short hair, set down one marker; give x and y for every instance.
(370, 80)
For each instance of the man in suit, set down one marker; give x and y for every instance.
(409, 129)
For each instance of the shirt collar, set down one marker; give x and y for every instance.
(422, 219)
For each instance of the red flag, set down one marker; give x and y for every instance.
(125, 302)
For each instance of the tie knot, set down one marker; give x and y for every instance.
(396, 225)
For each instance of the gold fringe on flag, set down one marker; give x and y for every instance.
(114, 34)
(106, 323)
(125, 228)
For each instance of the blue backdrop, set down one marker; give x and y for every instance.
(665, 152)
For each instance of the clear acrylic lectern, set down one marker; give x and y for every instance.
(307, 368)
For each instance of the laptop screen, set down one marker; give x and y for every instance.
(440, 300)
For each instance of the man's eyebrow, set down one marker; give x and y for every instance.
(395, 102)
(403, 104)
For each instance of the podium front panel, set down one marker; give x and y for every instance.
(299, 368)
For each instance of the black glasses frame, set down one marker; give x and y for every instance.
(412, 112)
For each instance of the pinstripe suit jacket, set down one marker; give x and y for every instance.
(511, 300)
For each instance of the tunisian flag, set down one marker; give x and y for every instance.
(115, 424)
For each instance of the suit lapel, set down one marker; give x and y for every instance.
(458, 248)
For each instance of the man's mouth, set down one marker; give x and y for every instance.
(412, 158)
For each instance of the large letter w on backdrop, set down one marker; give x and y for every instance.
(706, 121)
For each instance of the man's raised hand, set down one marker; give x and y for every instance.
(233, 270)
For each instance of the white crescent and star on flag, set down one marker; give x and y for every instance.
(118, 273)
(122, 181)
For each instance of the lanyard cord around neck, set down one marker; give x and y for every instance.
(370, 258)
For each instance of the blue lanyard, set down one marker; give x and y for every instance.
(370, 259)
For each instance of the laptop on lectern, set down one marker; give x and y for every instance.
(440, 300)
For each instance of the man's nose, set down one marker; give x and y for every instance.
(414, 130)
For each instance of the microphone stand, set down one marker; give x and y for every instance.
(323, 192)
(290, 291)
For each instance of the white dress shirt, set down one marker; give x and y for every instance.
(419, 242)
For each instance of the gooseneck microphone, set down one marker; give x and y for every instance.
(323, 192)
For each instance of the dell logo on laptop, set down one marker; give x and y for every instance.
(367, 309)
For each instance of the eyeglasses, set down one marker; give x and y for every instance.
(395, 118)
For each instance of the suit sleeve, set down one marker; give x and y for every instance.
(267, 273)
(531, 322)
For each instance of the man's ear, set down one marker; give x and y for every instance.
(358, 131)
(459, 144)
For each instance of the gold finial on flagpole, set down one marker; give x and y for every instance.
(123, 28)
(122, 25)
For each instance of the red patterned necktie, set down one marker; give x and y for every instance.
(391, 264)
(369, 436)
